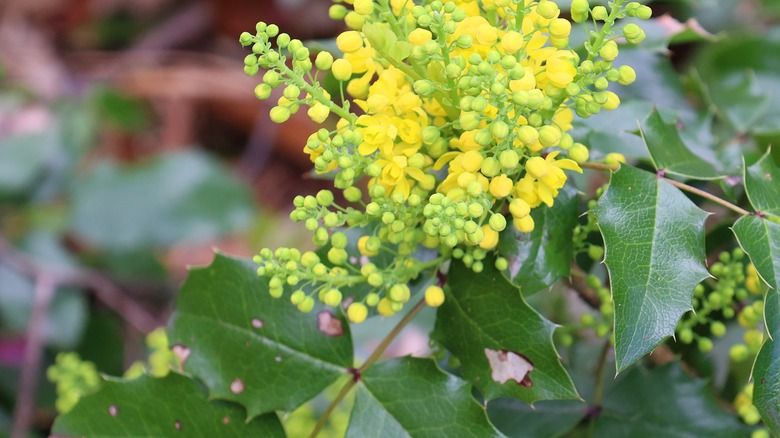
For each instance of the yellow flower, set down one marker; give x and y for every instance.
(500, 186)
(419, 36)
(349, 42)
(561, 68)
(543, 179)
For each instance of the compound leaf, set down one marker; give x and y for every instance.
(249, 347)
(654, 242)
(487, 324)
(412, 397)
(174, 405)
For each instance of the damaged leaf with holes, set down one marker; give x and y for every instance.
(251, 348)
(167, 406)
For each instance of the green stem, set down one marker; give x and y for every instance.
(316, 93)
(681, 186)
(375, 355)
(593, 50)
(343, 393)
(599, 391)
(709, 196)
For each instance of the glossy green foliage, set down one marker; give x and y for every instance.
(249, 347)
(540, 258)
(485, 316)
(760, 238)
(412, 397)
(171, 406)
(654, 239)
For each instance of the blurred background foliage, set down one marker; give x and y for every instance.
(131, 145)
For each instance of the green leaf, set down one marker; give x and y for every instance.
(760, 238)
(22, 163)
(177, 196)
(762, 184)
(545, 419)
(670, 154)
(654, 242)
(766, 371)
(484, 315)
(249, 347)
(743, 102)
(412, 397)
(741, 63)
(542, 257)
(664, 402)
(170, 406)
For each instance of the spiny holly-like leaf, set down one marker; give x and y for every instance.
(670, 153)
(654, 242)
(249, 347)
(487, 324)
(542, 257)
(762, 184)
(664, 402)
(760, 238)
(412, 397)
(172, 406)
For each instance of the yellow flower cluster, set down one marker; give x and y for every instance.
(460, 120)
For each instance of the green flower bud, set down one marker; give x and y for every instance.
(246, 39)
(499, 129)
(272, 78)
(549, 135)
(579, 153)
(307, 305)
(599, 13)
(718, 329)
(528, 135)
(483, 138)
(339, 240)
(324, 61)
(263, 91)
(633, 33)
(579, 10)
(332, 298)
(320, 237)
(644, 12)
(595, 252)
(497, 222)
(490, 167)
(337, 256)
(476, 210)
(279, 114)
(469, 120)
(609, 51)
(509, 159)
(424, 88)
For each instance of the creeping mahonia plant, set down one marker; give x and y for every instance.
(454, 132)
(457, 117)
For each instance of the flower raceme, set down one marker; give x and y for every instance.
(458, 119)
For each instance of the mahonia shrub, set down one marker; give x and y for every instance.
(460, 113)
(451, 140)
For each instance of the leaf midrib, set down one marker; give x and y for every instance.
(270, 342)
